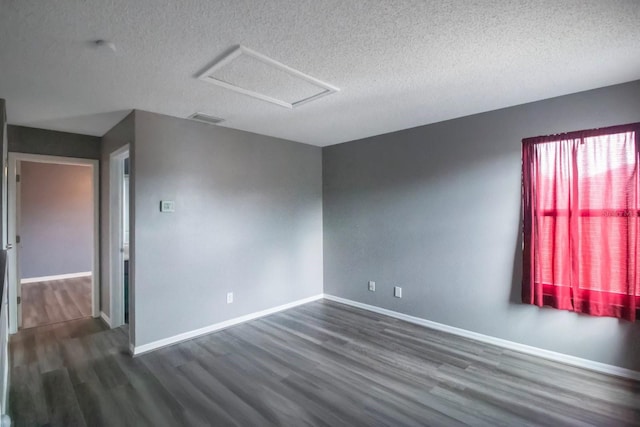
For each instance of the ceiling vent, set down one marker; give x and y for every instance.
(204, 118)
(251, 73)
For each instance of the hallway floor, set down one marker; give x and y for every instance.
(55, 301)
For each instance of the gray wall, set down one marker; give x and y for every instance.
(56, 219)
(119, 136)
(5, 146)
(248, 220)
(53, 143)
(436, 210)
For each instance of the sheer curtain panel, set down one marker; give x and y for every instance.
(581, 211)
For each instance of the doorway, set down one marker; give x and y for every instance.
(53, 223)
(119, 244)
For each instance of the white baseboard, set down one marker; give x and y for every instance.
(106, 319)
(140, 349)
(523, 348)
(56, 277)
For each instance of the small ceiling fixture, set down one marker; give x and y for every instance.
(250, 73)
(105, 43)
(205, 118)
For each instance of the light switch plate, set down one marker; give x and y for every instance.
(167, 206)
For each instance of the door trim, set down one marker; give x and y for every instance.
(14, 158)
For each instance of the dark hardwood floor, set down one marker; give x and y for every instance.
(55, 301)
(321, 364)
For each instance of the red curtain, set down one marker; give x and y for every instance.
(581, 211)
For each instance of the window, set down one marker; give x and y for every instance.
(581, 211)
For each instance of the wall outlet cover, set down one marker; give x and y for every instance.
(397, 291)
(372, 286)
(229, 297)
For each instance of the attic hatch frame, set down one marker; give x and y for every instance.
(207, 76)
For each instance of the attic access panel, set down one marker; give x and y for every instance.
(251, 73)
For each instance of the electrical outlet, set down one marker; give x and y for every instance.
(397, 291)
(229, 297)
(372, 286)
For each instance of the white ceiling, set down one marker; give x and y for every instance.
(398, 63)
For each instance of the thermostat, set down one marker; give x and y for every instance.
(167, 206)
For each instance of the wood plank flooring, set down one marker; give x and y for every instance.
(55, 301)
(321, 364)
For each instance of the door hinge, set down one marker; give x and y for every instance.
(18, 178)
(19, 300)
(17, 239)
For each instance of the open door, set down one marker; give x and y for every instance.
(4, 241)
(119, 236)
(15, 253)
(125, 236)
(5, 164)
(9, 226)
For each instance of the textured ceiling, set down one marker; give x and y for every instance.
(398, 64)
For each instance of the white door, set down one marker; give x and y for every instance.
(13, 255)
(118, 246)
(16, 245)
(5, 172)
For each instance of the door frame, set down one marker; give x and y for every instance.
(116, 243)
(12, 256)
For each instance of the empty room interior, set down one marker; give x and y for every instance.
(55, 223)
(323, 213)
